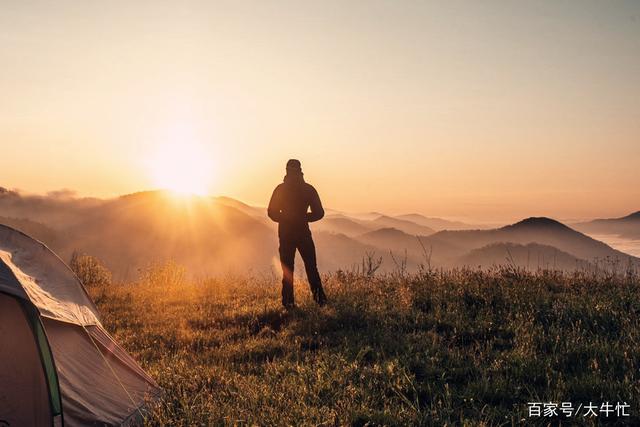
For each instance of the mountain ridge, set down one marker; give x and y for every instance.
(626, 226)
(210, 235)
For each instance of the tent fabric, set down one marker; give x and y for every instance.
(9, 284)
(49, 283)
(99, 382)
(82, 366)
(24, 394)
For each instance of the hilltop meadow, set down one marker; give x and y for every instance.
(434, 347)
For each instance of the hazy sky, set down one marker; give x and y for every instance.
(485, 109)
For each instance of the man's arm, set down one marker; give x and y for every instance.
(275, 206)
(317, 212)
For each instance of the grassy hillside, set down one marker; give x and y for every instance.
(431, 348)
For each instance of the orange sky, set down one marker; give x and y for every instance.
(486, 110)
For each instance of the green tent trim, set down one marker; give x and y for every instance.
(45, 356)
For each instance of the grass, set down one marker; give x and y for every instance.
(431, 348)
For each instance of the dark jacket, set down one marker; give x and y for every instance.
(289, 207)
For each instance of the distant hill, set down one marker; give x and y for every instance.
(392, 239)
(212, 235)
(242, 207)
(449, 248)
(208, 235)
(52, 210)
(417, 249)
(201, 233)
(626, 226)
(544, 231)
(341, 225)
(34, 229)
(353, 226)
(402, 225)
(338, 251)
(134, 230)
(436, 223)
(363, 216)
(531, 256)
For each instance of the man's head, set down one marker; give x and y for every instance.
(293, 165)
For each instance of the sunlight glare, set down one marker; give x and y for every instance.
(181, 167)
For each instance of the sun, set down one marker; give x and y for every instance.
(184, 168)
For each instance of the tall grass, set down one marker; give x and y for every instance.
(455, 347)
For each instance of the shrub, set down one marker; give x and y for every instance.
(90, 270)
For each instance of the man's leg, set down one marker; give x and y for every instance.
(287, 257)
(308, 252)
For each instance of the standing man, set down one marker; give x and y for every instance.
(294, 204)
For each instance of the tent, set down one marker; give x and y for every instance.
(58, 365)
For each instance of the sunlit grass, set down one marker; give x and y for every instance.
(460, 347)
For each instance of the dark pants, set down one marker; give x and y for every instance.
(304, 244)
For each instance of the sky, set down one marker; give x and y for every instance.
(489, 110)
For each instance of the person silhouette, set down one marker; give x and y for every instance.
(293, 205)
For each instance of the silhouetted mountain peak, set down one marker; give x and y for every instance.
(406, 226)
(145, 195)
(538, 223)
(386, 232)
(634, 216)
